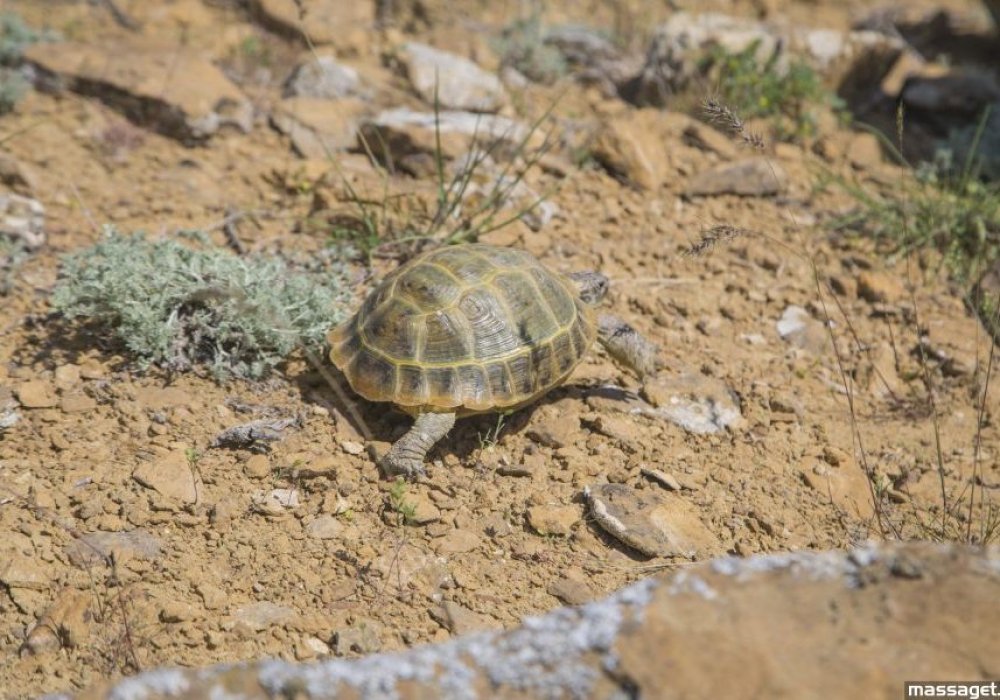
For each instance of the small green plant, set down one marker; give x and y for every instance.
(16, 36)
(179, 307)
(398, 503)
(785, 94)
(13, 252)
(13, 87)
(492, 436)
(955, 213)
(522, 46)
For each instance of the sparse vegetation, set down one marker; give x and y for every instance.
(940, 207)
(179, 307)
(15, 36)
(785, 93)
(522, 46)
(398, 503)
(480, 192)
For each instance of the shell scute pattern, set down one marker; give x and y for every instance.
(470, 328)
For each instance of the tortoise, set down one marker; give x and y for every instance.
(469, 329)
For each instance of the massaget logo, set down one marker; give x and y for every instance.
(948, 689)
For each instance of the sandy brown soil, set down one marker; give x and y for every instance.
(216, 578)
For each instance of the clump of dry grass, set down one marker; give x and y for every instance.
(968, 514)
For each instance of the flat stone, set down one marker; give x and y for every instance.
(553, 520)
(458, 542)
(319, 127)
(402, 132)
(24, 572)
(553, 428)
(325, 527)
(352, 447)
(655, 524)
(170, 476)
(455, 82)
(67, 376)
(161, 397)
(751, 177)
(459, 620)
(697, 403)
(797, 327)
(152, 86)
(257, 467)
(274, 503)
(36, 394)
(571, 590)
(423, 510)
(325, 78)
(632, 146)
(667, 481)
(93, 548)
(261, 615)
(77, 403)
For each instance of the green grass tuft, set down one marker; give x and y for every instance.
(180, 308)
(953, 213)
(787, 95)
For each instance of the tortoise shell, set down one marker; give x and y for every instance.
(468, 328)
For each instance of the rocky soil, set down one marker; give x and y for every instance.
(769, 620)
(809, 380)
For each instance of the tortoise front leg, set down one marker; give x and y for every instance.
(407, 454)
(627, 345)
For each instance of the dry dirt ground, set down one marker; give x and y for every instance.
(198, 573)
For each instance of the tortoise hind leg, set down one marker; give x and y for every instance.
(406, 456)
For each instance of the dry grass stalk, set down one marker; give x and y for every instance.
(724, 116)
(723, 233)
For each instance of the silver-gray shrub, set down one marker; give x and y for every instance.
(180, 307)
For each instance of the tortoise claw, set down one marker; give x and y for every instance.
(392, 466)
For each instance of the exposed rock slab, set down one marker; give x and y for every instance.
(790, 625)
(453, 81)
(176, 93)
(319, 127)
(397, 133)
(697, 403)
(750, 177)
(655, 524)
(323, 77)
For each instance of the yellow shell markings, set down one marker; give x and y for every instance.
(497, 330)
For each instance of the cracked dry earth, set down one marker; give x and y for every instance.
(129, 543)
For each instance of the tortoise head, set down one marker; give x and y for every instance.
(590, 286)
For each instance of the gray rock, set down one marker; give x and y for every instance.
(751, 177)
(453, 81)
(152, 86)
(705, 618)
(94, 548)
(697, 403)
(657, 525)
(22, 219)
(259, 616)
(319, 127)
(397, 133)
(797, 327)
(323, 77)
